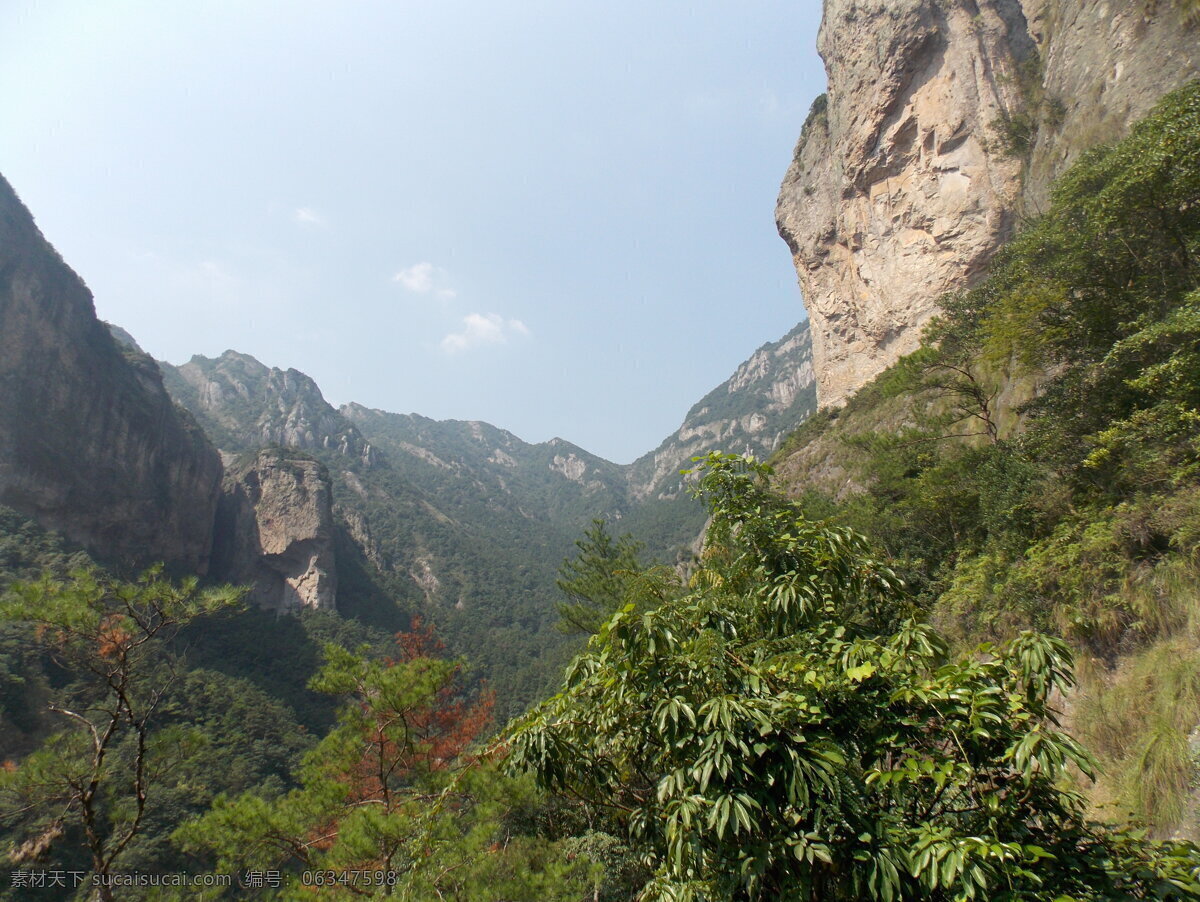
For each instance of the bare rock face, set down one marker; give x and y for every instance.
(904, 183)
(90, 442)
(1104, 65)
(570, 467)
(751, 412)
(275, 531)
(894, 195)
(244, 405)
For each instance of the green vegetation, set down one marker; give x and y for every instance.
(596, 581)
(487, 587)
(818, 113)
(1016, 131)
(28, 551)
(94, 776)
(1189, 10)
(864, 693)
(1036, 464)
(392, 789)
(781, 728)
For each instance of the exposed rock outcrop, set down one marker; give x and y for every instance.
(358, 529)
(1105, 63)
(244, 404)
(275, 531)
(749, 413)
(944, 120)
(571, 467)
(895, 194)
(91, 445)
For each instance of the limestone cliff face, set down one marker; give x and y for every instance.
(1104, 65)
(904, 184)
(275, 531)
(894, 195)
(90, 443)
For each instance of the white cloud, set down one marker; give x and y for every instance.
(425, 278)
(418, 277)
(307, 216)
(483, 329)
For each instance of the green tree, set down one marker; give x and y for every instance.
(597, 579)
(394, 790)
(109, 641)
(779, 730)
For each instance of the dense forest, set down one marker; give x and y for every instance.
(972, 671)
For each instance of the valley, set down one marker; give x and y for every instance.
(906, 607)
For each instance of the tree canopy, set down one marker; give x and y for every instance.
(780, 728)
(96, 775)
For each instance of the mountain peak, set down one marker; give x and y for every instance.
(244, 405)
(767, 397)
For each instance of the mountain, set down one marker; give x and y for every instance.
(91, 444)
(246, 474)
(455, 475)
(460, 522)
(1024, 176)
(244, 405)
(943, 124)
(460, 460)
(749, 413)
(1033, 465)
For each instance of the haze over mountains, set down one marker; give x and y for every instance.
(378, 515)
(383, 514)
(864, 673)
(465, 521)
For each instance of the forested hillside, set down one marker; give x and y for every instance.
(443, 537)
(944, 645)
(465, 524)
(1035, 463)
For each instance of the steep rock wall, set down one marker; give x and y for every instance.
(1104, 65)
(90, 442)
(275, 531)
(904, 182)
(894, 195)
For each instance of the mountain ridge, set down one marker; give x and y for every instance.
(463, 523)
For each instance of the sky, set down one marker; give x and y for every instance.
(557, 217)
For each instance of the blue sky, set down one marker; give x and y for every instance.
(553, 216)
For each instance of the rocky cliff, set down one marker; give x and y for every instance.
(91, 444)
(1103, 65)
(275, 531)
(278, 523)
(943, 123)
(244, 405)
